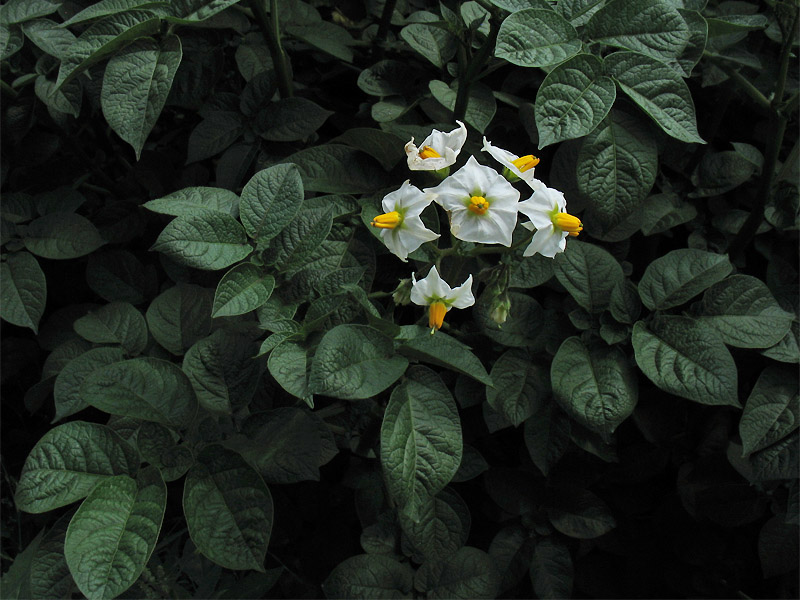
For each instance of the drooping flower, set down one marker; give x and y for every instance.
(482, 205)
(438, 151)
(439, 297)
(402, 229)
(514, 167)
(547, 210)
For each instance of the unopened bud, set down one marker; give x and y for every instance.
(501, 306)
(402, 293)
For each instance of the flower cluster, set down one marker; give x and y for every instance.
(482, 206)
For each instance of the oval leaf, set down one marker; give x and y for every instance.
(62, 235)
(24, 290)
(242, 289)
(536, 38)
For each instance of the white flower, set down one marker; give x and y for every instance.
(482, 205)
(401, 227)
(434, 292)
(520, 167)
(438, 151)
(547, 210)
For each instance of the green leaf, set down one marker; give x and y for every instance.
(596, 387)
(189, 201)
(115, 323)
(213, 135)
(18, 11)
(573, 99)
(525, 326)
(180, 316)
(62, 235)
(67, 389)
(300, 238)
(679, 276)
(157, 446)
(658, 90)
(442, 350)
(290, 120)
(578, 12)
(68, 462)
(118, 276)
(370, 576)
(651, 27)
(354, 362)
(536, 38)
(518, 5)
(512, 550)
(432, 42)
(744, 313)
(228, 509)
(23, 294)
(328, 37)
(242, 289)
(207, 240)
(383, 146)
(338, 169)
(421, 441)
(531, 271)
(222, 371)
(136, 84)
(520, 386)
(11, 42)
(49, 575)
(662, 212)
(111, 537)
(624, 304)
(720, 172)
(288, 364)
(578, 513)
(49, 36)
(270, 200)
(283, 445)
(551, 571)
(589, 273)
(469, 573)
(104, 38)
(16, 581)
(772, 410)
(387, 78)
(481, 105)
(442, 529)
(150, 389)
(617, 166)
(189, 12)
(778, 461)
(104, 8)
(788, 349)
(547, 436)
(684, 358)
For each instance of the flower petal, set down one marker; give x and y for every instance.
(462, 295)
(545, 242)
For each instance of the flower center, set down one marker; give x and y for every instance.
(436, 314)
(523, 163)
(428, 152)
(478, 204)
(567, 222)
(388, 220)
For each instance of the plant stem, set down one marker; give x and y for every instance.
(270, 26)
(783, 69)
(7, 89)
(470, 74)
(386, 20)
(745, 85)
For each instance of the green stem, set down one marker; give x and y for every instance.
(374, 295)
(470, 74)
(740, 80)
(783, 69)
(7, 89)
(270, 26)
(386, 20)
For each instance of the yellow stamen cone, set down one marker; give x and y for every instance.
(436, 314)
(568, 223)
(388, 220)
(478, 204)
(523, 163)
(428, 152)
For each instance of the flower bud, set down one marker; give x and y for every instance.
(402, 293)
(500, 308)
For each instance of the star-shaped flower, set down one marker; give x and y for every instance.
(514, 167)
(434, 292)
(547, 210)
(482, 205)
(401, 227)
(438, 151)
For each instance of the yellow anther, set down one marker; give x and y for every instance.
(436, 314)
(428, 152)
(568, 223)
(523, 163)
(388, 220)
(478, 204)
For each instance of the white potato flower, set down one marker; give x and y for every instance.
(439, 297)
(401, 227)
(547, 211)
(514, 167)
(438, 151)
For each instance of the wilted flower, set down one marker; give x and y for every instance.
(434, 292)
(438, 151)
(402, 228)
(547, 210)
(515, 167)
(481, 204)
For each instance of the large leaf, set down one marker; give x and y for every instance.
(772, 411)
(370, 576)
(536, 38)
(288, 364)
(354, 362)
(679, 276)
(658, 90)
(111, 537)
(573, 99)
(520, 386)
(228, 509)
(50, 576)
(189, 12)
(216, 132)
(421, 441)
(434, 43)
(744, 313)
(205, 240)
(617, 166)
(50, 37)
(115, 323)
(596, 387)
(683, 357)
(67, 389)
(117, 275)
(469, 573)
(301, 238)
(188, 201)
(242, 289)
(270, 200)
(589, 273)
(547, 436)
(104, 8)
(136, 84)
(578, 513)
(338, 169)
(143, 388)
(24, 290)
(481, 105)
(442, 529)
(290, 120)
(19, 11)
(442, 350)
(551, 569)
(68, 462)
(62, 235)
(180, 316)
(652, 27)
